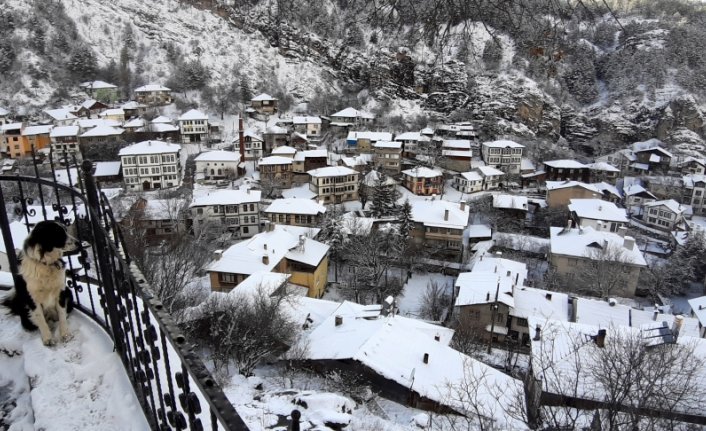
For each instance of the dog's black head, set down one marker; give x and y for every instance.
(47, 235)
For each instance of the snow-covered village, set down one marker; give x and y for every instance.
(300, 216)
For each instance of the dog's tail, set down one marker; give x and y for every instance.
(18, 305)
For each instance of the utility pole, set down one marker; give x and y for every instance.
(493, 316)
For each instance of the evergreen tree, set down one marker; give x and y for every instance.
(7, 55)
(406, 222)
(384, 198)
(332, 235)
(245, 92)
(82, 63)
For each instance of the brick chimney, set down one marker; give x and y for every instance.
(265, 259)
(339, 320)
(241, 138)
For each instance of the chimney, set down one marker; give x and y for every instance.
(217, 254)
(339, 320)
(264, 246)
(463, 206)
(437, 337)
(446, 215)
(509, 273)
(487, 296)
(622, 230)
(426, 358)
(655, 313)
(600, 338)
(548, 296)
(241, 138)
(676, 328)
(302, 240)
(629, 242)
(537, 333)
(265, 259)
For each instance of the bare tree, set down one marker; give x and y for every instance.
(603, 272)
(435, 301)
(244, 328)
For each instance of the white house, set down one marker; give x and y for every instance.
(598, 214)
(334, 184)
(64, 143)
(350, 116)
(151, 165)
(194, 126)
(215, 165)
(153, 94)
(664, 215)
(504, 155)
(238, 211)
(310, 126)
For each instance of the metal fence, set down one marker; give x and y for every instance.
(173, 386)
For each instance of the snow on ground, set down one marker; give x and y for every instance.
(409, 302)
(77, 385)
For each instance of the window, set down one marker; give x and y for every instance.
(246, 230)
(521, 322)
(199, 211)
(226, 278)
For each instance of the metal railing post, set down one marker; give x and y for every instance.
(9, 241)
(296, 416)
(101, 246)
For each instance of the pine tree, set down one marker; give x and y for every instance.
(406, 222)
(384, 198)
(332, 234)
(245, 92)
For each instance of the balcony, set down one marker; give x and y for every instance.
(127, 365)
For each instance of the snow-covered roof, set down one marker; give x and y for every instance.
(332, 171)
(11, 126)
(635, 189)
(608, 188)
(227, 197)
(275, 160)
(102, 131)
(303, 119)
(510, 268)
(283, 149)
(296, 206)
(698, 308)
(394, 348)
(530, 302)
(585, 242)
(503, 144)
(112, 112)
(480, 287)
(671, 204)
(359, 160)
(151, 87)
(252, 134)
(434, 213)
(602, 166)
(565, 164)
(107, 169)
(422, 172)
(488, 171)
(60, 114)
(457, 153)
(597, 209)
(149, 147)
(87, 123)
(4, 112)
(162, 119)
(513, 202)
(691, 159)
(63, 131)
(527, 164)
(303, 155)
(262, 97)
(472, 176)
(160, 128)
(459, 144)
(556, 185)
(371, 136)
(36, 130)
(193, 114)
(371, 178)
(95, 85)
(411, 136)
(655, 148)
(691, 180)
(353, 113)
(388, 144)
(218, 156)
(134, 123)
(246, 257)
(605, 313)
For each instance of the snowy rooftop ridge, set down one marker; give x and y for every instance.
(597, 209)
(296, 206)
(218, 156)
(149, 147)
(227, 197)
(585, 242)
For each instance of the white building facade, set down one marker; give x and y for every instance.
(151, 165)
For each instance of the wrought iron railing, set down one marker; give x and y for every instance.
(173, 386)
